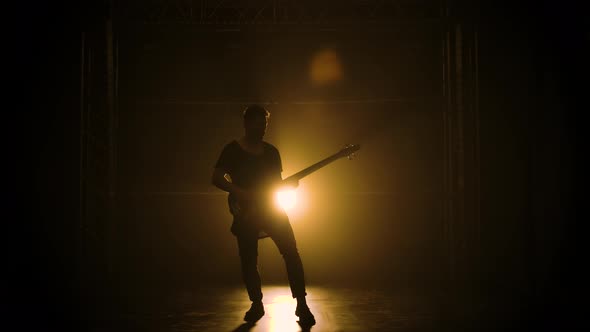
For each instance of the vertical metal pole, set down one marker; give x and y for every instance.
(445, 154)
(202, 16)
(82, 171)
(459, 153)
(477, 171)
(111, 143)
(82, 100)
(449, 192)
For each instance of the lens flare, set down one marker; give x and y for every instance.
(326, 67)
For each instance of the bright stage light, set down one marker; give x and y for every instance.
(286, 199)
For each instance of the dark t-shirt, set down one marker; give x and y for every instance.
(250, 171)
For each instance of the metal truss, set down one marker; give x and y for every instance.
(277, 12)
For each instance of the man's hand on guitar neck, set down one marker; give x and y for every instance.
(294, 183)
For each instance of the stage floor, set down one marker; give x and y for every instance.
(335, 309)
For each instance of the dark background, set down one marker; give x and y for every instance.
(532, 75)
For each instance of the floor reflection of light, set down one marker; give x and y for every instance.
(281, 311)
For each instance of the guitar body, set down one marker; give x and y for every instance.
(263, 208)
(260, 207)
(241, 210)
(248, 216)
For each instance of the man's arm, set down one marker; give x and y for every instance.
(219, 180)
(294, 183)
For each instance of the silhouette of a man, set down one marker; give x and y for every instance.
(253, 166)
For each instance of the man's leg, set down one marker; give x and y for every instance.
(248, 249)
(282, 234)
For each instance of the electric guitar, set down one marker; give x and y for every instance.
(246, 210)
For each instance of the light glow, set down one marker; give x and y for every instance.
(286, 199)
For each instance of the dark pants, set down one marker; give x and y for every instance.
(281, 233)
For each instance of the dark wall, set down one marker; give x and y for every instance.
(42, 134)
(531, 75)
(45, 136)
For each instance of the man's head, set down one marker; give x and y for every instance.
(255, 121)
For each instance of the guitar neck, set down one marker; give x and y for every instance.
(305, 172)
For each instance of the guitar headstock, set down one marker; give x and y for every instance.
(349, 150)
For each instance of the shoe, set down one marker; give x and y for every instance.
(305, 316)
(255, 313)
